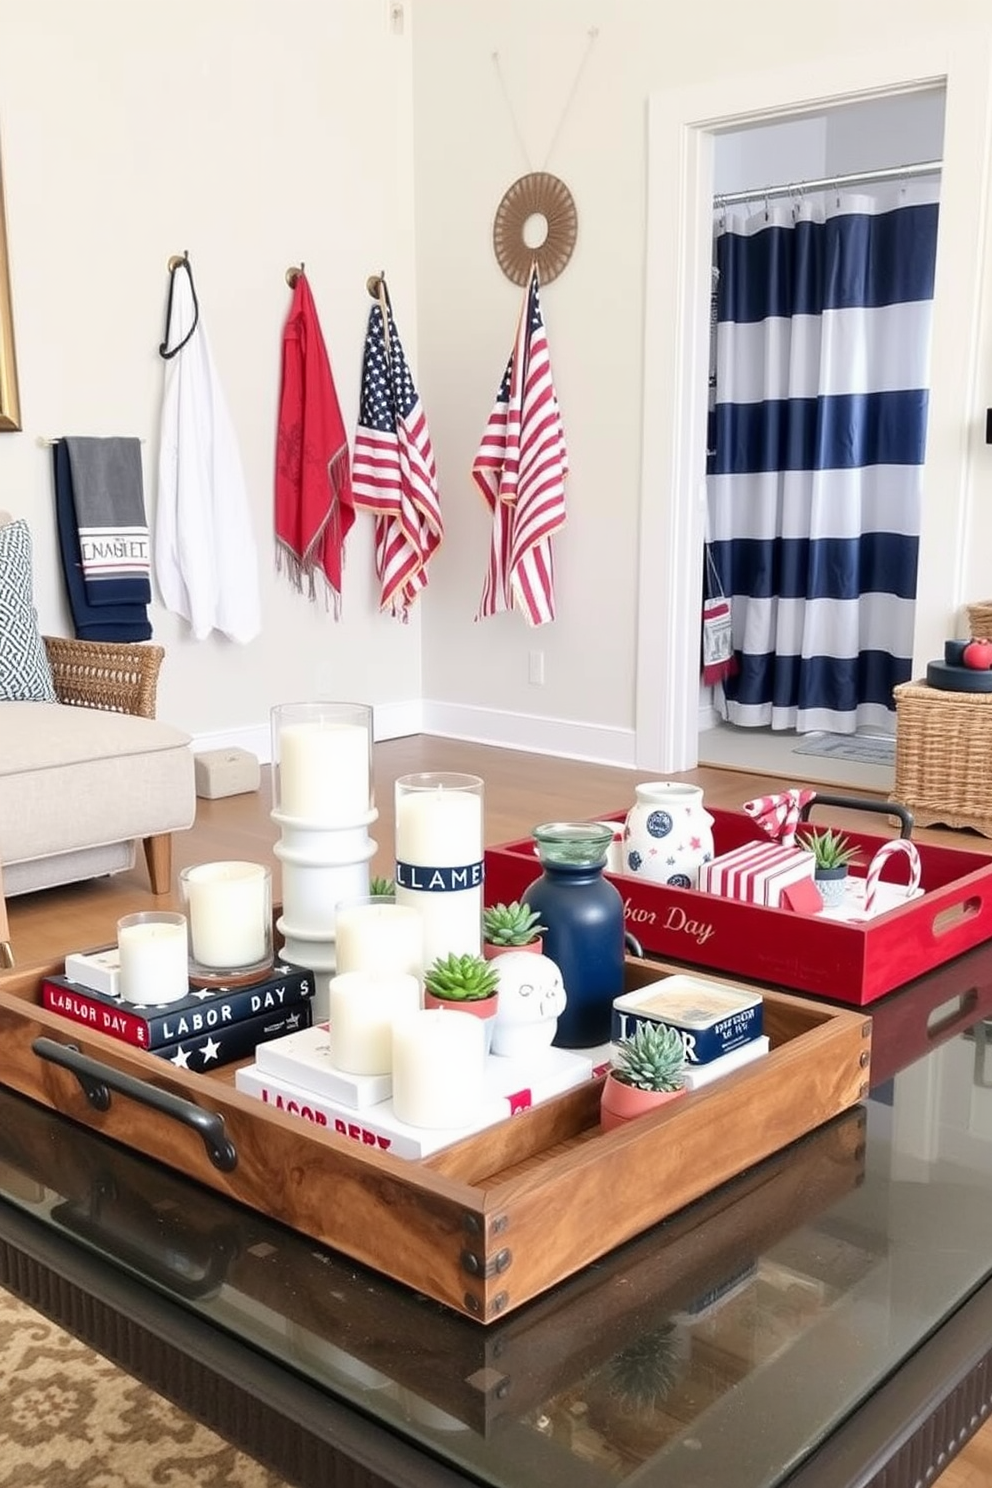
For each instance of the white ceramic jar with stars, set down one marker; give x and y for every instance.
(668, 834)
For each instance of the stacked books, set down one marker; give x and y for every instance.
(720, 1025)
(297, 1075)
(209, 1028)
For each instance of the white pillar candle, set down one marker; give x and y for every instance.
(230, 913)
(439, 859)
(379, 935)
(439, 1061)
(363, 1008)
(154, 958)
(323, 755)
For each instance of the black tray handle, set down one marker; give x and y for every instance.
(859, 803)
(97, 1080)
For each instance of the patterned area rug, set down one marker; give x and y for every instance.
(71, 1419)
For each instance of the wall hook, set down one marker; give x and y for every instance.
(176, 262)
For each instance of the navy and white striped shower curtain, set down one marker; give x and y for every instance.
(817, 439)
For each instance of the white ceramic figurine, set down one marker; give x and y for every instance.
(531, 1000)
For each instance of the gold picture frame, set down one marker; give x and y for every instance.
(10, 408)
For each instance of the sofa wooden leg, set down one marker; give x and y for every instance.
(158, 856)
(6, 953)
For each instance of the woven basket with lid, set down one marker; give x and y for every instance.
(980, 619)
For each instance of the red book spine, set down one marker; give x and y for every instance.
(102, 1018)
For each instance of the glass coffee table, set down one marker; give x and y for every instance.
(824, 1319)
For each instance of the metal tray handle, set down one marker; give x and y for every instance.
(859, 803)
(632, 945)
(98, 1080)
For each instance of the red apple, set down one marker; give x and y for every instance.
(978, 655)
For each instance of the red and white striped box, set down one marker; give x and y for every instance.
(757, 873)
(724, 874)
(795, 865)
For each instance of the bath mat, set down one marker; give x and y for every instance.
(869, 749)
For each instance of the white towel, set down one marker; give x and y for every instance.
(206, 560)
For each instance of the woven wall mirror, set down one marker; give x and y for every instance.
(521, 237)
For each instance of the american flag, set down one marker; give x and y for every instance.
(520, 469)
(393, 472)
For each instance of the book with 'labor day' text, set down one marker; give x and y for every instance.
(203, 1012)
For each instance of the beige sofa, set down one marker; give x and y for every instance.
(83, 779)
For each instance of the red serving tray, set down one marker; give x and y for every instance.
(852, 964)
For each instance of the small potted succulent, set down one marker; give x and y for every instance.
(382, 888)
(465, 984)
(833, 853)
(647, 1069)
(511, 927)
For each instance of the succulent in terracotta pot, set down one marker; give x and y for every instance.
(647, 1069)
(511, 927)
(464, 984)
(460, 980)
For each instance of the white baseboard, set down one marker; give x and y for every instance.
(389, 721)
(256, 738)
(600, 744)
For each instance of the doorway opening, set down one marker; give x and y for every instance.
(818, 546)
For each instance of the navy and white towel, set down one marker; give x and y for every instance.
(103, 537)
(109, 499)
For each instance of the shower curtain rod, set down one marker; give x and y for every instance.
(830, 183)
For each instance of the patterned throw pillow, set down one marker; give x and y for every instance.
(25, 675)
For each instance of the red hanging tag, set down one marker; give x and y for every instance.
(718, 646)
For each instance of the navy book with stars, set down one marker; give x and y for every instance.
(205, 1012)
(208, 1051)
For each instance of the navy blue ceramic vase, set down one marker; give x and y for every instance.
(584, 915)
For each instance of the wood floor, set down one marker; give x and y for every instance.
(521, 790)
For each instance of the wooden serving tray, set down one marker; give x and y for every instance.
(349, 1321)
(487, 1224)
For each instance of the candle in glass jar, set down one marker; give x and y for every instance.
(378, 935)
(363, 1007)
(154, 962)
(439, 859)
(324, 771)
(439, 1061)
(230, 913)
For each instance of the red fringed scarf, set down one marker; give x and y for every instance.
(314, 506)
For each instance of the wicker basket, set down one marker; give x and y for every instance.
(119, 677)
(980, 619)
(943, 753)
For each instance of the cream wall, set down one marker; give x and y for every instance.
(357, 135)
(467, 154)
(252, 135)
